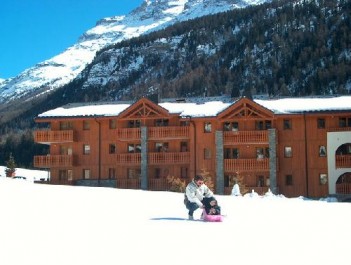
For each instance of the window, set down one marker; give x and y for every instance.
(287, 124)
(263, 125)
(161, 172)
(134, 124)
(260, 181)
(86, 173)
(323, 179)
(344, 122)
(322, 151)
(66, 125)
(287, 151)
(321, 123)
(161, 122)
(288, 180)
(207, 153)
(184, 172)
(65, 175)
(259, 153)
(86, 149)
(231, 126)
(262, 152)
(111, 173)
(112, 124)
(161, 147)
(231, 153)
(268, 125)
(185, 123)
(259, 125)
(183, 147)
(134, 148)
(112, 149)
(86, 125)
(134, 173)
(207, 127)
(65, 150)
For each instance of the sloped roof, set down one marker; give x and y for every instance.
(209, 108)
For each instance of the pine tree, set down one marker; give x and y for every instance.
(10, 167)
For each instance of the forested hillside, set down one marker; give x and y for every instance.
(277, 49)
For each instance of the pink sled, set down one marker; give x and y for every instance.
(212, 218)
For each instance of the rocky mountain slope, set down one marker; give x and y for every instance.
(152, 15)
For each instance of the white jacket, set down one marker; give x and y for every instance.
(197, 194)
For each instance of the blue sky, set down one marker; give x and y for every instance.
(32, 31)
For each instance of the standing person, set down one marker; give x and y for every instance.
(195, 193)
(236, 189)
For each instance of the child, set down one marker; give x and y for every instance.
(212, 208)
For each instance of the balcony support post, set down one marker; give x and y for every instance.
(272, 139)
(144, 162)
(219, 163)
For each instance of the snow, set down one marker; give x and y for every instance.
(51, 224)
(210, 108)
(30, 175)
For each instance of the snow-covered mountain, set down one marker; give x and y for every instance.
(152, 15)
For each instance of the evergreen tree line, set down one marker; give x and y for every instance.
(21, 148)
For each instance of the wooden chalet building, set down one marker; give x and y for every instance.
(295, 147)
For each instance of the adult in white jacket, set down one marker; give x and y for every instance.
(195, 194)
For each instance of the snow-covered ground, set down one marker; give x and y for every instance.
(47, 225)
(28, 174)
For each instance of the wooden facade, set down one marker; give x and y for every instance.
(299, 154)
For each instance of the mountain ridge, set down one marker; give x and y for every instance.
(150, 16)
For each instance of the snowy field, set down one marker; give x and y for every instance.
(62, 225)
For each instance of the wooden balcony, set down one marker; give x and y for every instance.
(343, 161)
(159, 184)
(50, 161)
(156, 184)
(169, 158)
(128, 134)
(245, 137)
(128, 159)
(246, 165)
(175, 132)
(128, 183)
(48, 137)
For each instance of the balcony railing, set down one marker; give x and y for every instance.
(157, 184)
(128, 183)
(127, 134)
(47, 137)
(343, 161)
(160, 184)
(175, 132)
(50, 161)
(128, 159)
(169, 158)
(242, 165)
(247, 137)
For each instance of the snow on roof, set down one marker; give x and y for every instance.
(298, 105)
(209, 108)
